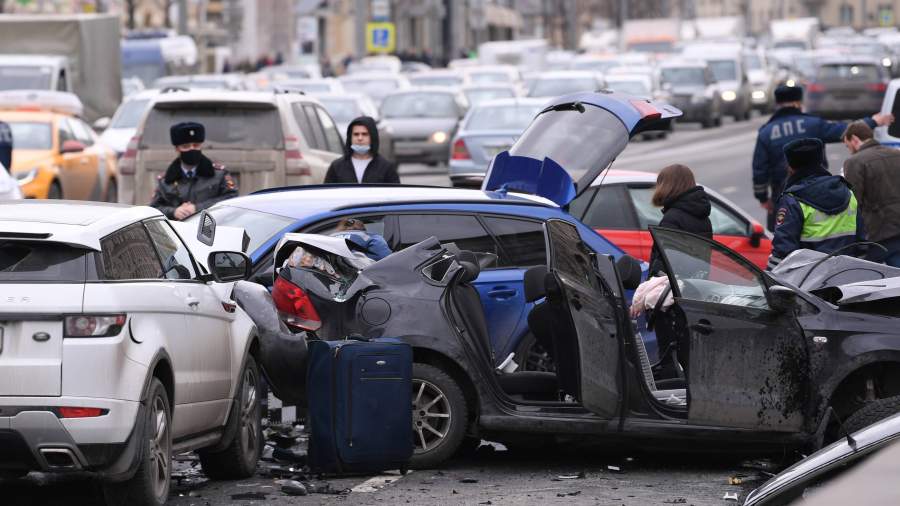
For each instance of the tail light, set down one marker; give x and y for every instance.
(83, 325)
(294, 164)
(460, 152)
(129, 158)
(78, 412)
(815, 87)
(877, 87)
(295, 306)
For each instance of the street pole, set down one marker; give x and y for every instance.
(361, 16)
(182, 17)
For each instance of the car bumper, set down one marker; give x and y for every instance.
(466, 171)
(421, 151)
(843, 109)
(34, 438)
(733, 108)
(694, 111)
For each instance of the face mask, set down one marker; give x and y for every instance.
(191, 157)
(360, 149)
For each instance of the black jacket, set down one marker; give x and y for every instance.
(379, 170)
(689, 212)
(211, 184)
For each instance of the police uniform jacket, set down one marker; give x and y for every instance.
(818, 213)
(786, 125)
(211, 183)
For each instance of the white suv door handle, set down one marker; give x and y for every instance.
(192, 301)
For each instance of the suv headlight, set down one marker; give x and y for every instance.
(24, 178)
(886, 62)
(439, 137)
(729, 96)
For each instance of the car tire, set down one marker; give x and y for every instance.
(531, 356)
(239, 459)
(55, 191)
(150, 484)
(708, 122)
(872, 412)
(436, 393)
(112, 192)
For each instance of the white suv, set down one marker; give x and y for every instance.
(119, 347)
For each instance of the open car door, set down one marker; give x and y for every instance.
(747, 365)
(584, 327)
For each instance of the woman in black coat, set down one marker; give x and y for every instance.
(685, 206)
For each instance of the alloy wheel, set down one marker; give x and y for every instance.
(249, 429)
(160, 448)
(431, 415)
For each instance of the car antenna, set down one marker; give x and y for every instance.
(844, 432)
(835, 252)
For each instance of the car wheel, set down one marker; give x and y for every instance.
(531, 356)
(439, 416)
(872, 412)
(718, 121)
(150, 483)
(55, 191)
(112, 192)
(239, 459)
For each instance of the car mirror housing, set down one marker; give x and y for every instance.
(629, 271)
(72, 146)
(228, 266)
(782, 299)
(756, 234)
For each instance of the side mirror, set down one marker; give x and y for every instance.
(228, 266)
(756, 234)
(782, 299)
(71, 146)
(206, 229)
(102, 124)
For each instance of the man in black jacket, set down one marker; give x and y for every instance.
(361, 162)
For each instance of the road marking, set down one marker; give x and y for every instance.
(376, 483)
(728, 190)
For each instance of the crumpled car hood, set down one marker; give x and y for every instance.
(839, 279)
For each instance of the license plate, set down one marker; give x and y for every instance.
(493, 151)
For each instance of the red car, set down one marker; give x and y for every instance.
(621, 211)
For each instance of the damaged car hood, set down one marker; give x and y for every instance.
(811, 270)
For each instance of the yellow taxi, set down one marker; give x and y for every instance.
(56, 155)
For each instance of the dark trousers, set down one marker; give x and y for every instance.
(776, 189)
(890, 257)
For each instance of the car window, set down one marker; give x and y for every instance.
(610, 209)
(316, 126)
(30, 262)
(570, 256)
(578, 206)
(64, 131)
(709, 272)
(503, 117)
(130, 113)
(647, 213)
(479, 95)
(460, 229)
(231, 125)
(554, 87)
(420, 105)
(259, 226)
(81, 131)
(176, 259)
(849, 72)
(724, 70)
(522, 241)
(34, 135)
(342, 109)
(332, 136)
(129, 254)
(724, 221)
(372, 224)
(684, 76)
(306, 131)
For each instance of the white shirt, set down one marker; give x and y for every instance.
(359, 166)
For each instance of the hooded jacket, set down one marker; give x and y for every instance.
(817, 211)
(688, 212)
(379, 170)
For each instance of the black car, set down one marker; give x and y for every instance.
(750, 360)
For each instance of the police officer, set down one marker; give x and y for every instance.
(789, 123)
(817, 210)
(192, 182)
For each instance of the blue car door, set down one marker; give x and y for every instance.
(502, 296)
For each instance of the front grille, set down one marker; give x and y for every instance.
(15, 453)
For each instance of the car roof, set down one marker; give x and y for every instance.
(561, 74)
(301, 202)
(368, 76)
(847, 59)
(21, 115)
(75, 222)
(194, 95)
(32, 59)
(516, 101)
(489, 86)
(683, 63)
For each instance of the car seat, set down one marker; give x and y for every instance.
(565, 338)
(528, 384)
(540, 318)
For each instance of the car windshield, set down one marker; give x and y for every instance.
(789, 44)
(753, 62)
(25, 77)
(30, 262)
(636, 87)
(31, 135)
(449, 81)
(599, 135)
(146, 72)
(849, 72)
(478, 96)
(419, 105)
(208, 84)
(502, 117)
(250, 126)
(723, 70)
(341, 109)
(375, 88)
(652, 47)
(685, 75)
(489, 77)
(130, 113)
(309, 87)
(596, 65)
(554, 87)
(260, 226)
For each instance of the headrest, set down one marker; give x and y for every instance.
(629, 271)
(469, 263)
(535, 288)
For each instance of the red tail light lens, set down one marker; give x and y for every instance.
(294, 164)
(295, 307)
(76, 412)
(83, 325)
(877, 87)
(815, 88)
(460, 152)
(127, 161)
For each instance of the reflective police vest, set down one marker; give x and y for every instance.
(819, 226)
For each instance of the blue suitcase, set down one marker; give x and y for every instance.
(359, 416)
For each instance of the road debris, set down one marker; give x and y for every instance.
(730, 496)
(568, 494)
(468, 480)
(293, 487)
(615, 469)
(579, 476)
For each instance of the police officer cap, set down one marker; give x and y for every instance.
(788, 94)
(186, 133)
(804, 153)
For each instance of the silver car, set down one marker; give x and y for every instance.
(478, 93)
(564, 82)
(488, 129)
(422, 121)
(345, 107)
(376, 85)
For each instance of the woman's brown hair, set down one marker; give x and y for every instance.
(671, 182)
